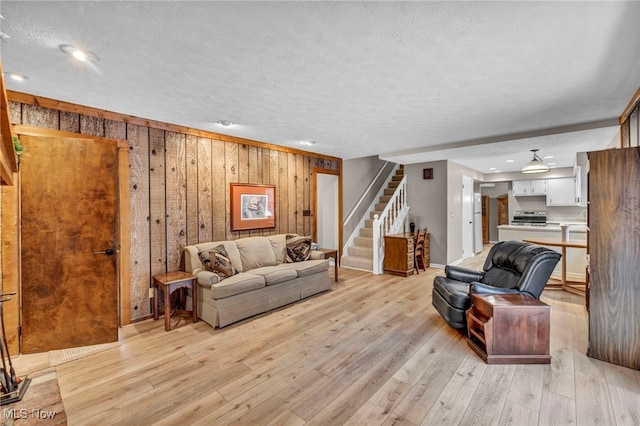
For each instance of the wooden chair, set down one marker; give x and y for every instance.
(418, 251)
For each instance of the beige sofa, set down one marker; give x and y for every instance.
(264, 281)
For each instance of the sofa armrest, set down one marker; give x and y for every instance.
(207, 278)
(316, 255)
(462, 274)
(480, 288)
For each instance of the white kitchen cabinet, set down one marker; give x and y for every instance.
(564, 191)
(529, 187)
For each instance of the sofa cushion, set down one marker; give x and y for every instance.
(239, 283)
(308, 267)
(192, 260)
(274, 274)
(255, 252)
(298, 248)
(279, 246)
(217, 261)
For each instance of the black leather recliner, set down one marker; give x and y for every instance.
(510, 267)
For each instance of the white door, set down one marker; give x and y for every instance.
(327, 210)
(467, 217)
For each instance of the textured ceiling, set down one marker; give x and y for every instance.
(359, 78)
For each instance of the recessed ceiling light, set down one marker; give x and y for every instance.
(225, 123)
(551, 164)
(548, 157)
(307, 142)
(16, 76)
(497, 171)
(492, 168)
(79, 54)
(509, 161)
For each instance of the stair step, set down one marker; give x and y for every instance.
(389, 191)
(363, 242)
(397, 177)
(368, 223)
(365, 252)
(366, 232)
(393, 184)
(357, 263)
(375, 212)
(380, 206)
(385, 198)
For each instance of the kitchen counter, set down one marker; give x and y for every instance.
(551, 226)
(575, 257)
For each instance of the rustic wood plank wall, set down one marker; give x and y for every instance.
(179, 186)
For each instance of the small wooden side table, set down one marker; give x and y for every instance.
(170, 282)
(509, 329)
(328, 253)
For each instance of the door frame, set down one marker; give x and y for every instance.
(466, 239)
(123, 255)
(314, 205)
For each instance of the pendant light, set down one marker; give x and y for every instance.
(536, 165)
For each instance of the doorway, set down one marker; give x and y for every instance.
(467, 217)
(69, 229)
(327, 213)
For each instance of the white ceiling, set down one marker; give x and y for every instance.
(403, 80)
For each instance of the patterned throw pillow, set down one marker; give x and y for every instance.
(298, 248)
(217, 261)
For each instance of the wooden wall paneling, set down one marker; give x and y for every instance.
(138, 138)
(243, 164)
(633, 128)
(300, 183)
(90, 125)
(231, 176)
(157, 201)
(625, 141)
(15, 112)
(274, 179)
(191, 153)
(219, 190)
(307, 195)
(205, 199)
(243, 177)
(255, 165)
(115, 129)
(292, 224)
(37, 116)
(176, 201)
(10, 263)
(282, 215)
(70, 122)
(255, 176)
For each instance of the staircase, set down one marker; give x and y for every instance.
(360, 254)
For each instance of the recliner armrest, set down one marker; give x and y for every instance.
(480, 288)
(462, 274)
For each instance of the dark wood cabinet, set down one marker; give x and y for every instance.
(614, 250)
(398, 254)
(509, 329)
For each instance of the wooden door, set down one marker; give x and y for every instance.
(503, 210)
(486, 213)
(69, 212)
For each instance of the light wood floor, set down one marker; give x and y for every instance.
(371, 351)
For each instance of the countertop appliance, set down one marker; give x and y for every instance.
(536, 218)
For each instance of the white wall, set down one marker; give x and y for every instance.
(357, 174)
(428, 201)
(327, 210)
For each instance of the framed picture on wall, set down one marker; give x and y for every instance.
(252, 206)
